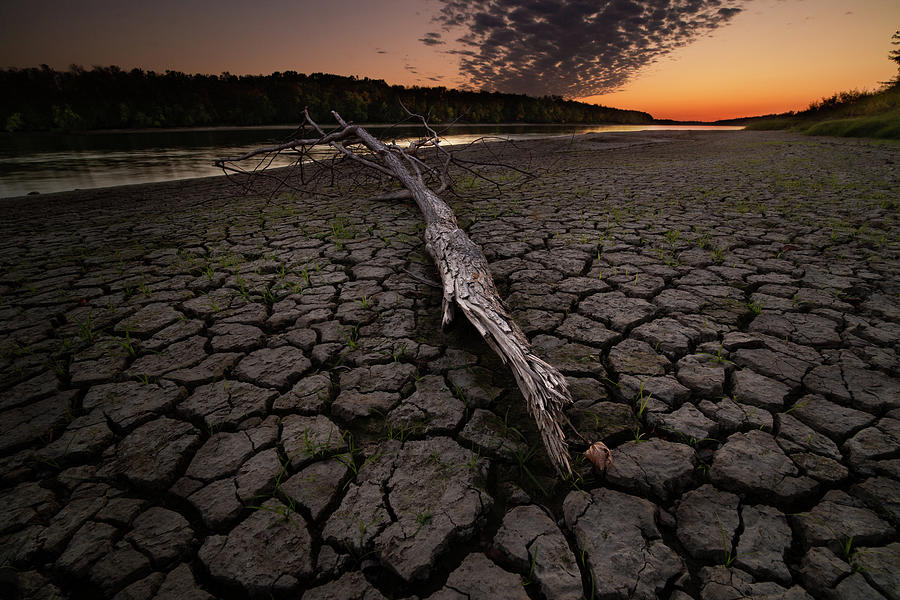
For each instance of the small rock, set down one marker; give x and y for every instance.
(837, 422)
(820, 569)
(119, 567)
(879, 566)
(724, 583)
(221, 455)
(351, 586)
(655, 466)
(881, 494)
(132, 403)
(217, 503)
(257, 474)
(148, 319)
(179, 584)
(309, 396)
(176, 356)
(533, 542)
(234, 337)
(665, 389)
(855, 587)
(794, 436)
(633, 357)
(622, 544)
(761, 548)
(478, 577)
(687, 422)
(430, 409)
(758, 390)
(307, 438)
(351, 405)
(730, 415)
(837, 519)
(666, 335)
(35, 422)
(317, 485)
(616, 310)
(273, 367)
(91, 542)
(212, 369)
(703, 374)
(265, 554)
(752, 463)
(473, 385)
(225, 403)
(586, 331)
(780, 367)
(707, 521)
(150, 456)
(162, 534)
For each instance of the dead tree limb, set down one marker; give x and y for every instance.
(465, 276)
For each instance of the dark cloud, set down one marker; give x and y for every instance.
(432, 39)
(571, 47)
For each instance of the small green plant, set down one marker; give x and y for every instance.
(530, 577)
(268, 296)
(127, 344)
(642, 400)
(350, 337)
(718, 357)
(726, 547)
(523, 458)
(718, 255)
(422, 519)
(85, 329)
(798, 404)
(756, 307)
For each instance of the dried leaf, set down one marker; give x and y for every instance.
(599, 455)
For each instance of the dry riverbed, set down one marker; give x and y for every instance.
(213, 394)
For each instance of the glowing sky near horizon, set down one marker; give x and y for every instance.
(675, 59)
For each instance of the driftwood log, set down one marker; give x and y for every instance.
(466, 278)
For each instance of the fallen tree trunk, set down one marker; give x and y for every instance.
(466, 278)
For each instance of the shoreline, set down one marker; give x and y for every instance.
(235, 394)
(288, 126)
(191, 162)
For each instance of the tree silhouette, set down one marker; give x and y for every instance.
(894, 55)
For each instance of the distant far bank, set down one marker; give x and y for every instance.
(109, 98)
(847, 114)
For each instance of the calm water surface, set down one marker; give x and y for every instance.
(52, 162)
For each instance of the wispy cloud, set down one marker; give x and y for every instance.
(432, 38)
(571, 47)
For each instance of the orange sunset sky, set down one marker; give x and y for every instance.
(727, 59)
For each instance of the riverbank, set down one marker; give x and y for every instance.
(210, 392)
(54, 162)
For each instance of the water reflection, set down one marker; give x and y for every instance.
(55, 162)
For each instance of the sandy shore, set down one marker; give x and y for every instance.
(207, 393)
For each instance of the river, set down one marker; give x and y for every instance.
(53, 162)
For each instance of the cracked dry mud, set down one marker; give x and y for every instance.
(211, 394)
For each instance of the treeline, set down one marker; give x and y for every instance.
(853, 114)
(43, 99)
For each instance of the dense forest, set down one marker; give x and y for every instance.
(42, 99)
